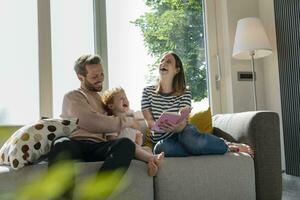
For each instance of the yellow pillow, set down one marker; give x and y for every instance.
(202, 120)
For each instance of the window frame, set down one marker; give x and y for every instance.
(45, 59)
(214, 58)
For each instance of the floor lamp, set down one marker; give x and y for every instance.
(250, 43)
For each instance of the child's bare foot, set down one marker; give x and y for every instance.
(159, 158)
(152, 168)
(154, 163)
(240, 147)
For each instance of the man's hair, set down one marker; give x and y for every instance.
(84, 60)
(108, 98)
(178, 85)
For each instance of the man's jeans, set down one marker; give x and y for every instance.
(190, 142)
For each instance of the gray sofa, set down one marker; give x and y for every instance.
(230, 176)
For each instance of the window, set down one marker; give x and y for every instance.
(137, 36)
(72, 32)
(19, 102)
(127, 56)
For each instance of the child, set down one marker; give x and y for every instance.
(116, 103)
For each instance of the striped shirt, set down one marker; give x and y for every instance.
(159, 103)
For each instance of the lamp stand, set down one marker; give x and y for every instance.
(252, 53)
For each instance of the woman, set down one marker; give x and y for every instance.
(170, 94)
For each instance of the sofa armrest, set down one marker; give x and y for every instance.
(259, 129)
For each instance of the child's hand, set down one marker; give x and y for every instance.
(139, 138)
(150, 123)
(131, 122)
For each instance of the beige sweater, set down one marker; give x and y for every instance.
(93, 120)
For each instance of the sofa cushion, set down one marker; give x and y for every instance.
(32, 141)
(229, 176)
(202, 120)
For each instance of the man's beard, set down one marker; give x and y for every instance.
(92, 87)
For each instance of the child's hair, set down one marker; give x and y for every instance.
(108, 98)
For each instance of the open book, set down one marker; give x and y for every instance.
(171, 117)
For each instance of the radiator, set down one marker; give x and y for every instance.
(287, 20)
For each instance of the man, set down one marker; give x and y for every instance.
(88, 142)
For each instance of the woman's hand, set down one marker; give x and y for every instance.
(181, 110)
(175, 128)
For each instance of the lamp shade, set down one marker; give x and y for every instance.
(250, 37)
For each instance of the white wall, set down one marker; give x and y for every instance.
(240, 97)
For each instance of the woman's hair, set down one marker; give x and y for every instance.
(108, 98)
(82, 61)
(178, 84)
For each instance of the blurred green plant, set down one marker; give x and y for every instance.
(59, 178)
(51, 184)
(101, 186)
(7, 196)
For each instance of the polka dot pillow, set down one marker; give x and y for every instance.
(30, 142)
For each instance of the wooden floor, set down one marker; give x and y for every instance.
(290, 187)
